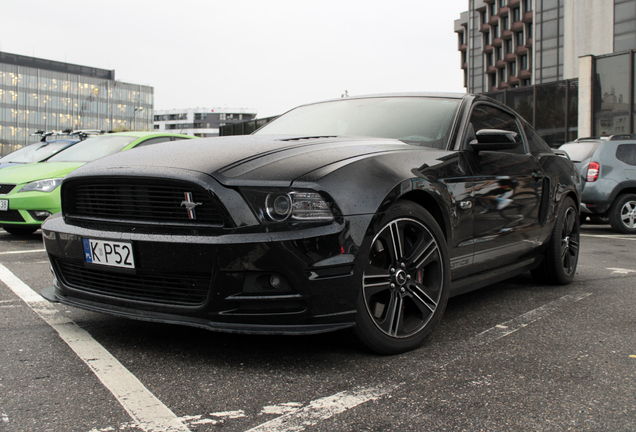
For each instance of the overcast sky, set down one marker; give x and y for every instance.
(270, 55)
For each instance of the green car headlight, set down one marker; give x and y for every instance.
(47, 185)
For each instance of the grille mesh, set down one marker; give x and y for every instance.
(11, 216)
(6, 188)
(149, 202)
(154, 287)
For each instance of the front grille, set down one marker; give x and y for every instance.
(148, 201)
(6, 188)
(147, 286)
(11, 216)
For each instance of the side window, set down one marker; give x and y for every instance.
(535, 142)
(153, 141)
(626, 153)
(488, 117)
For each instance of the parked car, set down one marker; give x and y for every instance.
(363, 213)
(29, 193)
(43, 149)
(608, 167)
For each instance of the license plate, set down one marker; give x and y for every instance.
(109, 253)
(4, 205)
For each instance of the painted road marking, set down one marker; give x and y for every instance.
(322, 409)
(615, 237)
(148, 412)
(621, 271)
(22, 251)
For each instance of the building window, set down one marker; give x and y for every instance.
(504, 23)
(516, 14)
(502, 3)
(499, 53)
(529, 30)
(484, 17)
(495, 31)
(526, 6)
(523, 62)
(156, 126)
(513, 68)
(509, 49)
(520, 40)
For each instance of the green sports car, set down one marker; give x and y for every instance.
(30, 193)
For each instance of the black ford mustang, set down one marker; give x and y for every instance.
(361, 212)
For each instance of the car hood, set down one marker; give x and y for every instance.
(36, 171)
(249, 159)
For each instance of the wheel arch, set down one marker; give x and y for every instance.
(427, 195)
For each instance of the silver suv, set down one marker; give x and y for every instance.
(608, 168)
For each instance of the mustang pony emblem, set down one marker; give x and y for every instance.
(190, 205)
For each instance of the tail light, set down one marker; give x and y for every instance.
(592, 171)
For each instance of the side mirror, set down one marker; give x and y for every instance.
(494, 139)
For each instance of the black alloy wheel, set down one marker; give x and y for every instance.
(405, 282)
(562, 254)
(622, 214)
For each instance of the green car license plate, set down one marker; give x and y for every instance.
(109, 253)
(4, 205)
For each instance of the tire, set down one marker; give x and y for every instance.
(622, 214)
(404, 281)
(562, 253)
(20, 230)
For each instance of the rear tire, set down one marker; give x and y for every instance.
(19, 230)
(622, 214)
(404, 281)
(562, 254)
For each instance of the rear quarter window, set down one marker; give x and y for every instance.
(626, 153)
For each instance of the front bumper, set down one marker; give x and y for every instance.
(219, 282)
(22, 207)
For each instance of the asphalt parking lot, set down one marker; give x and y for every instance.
(512, 356)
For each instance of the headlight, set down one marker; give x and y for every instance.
(47, 185)
(294, 206)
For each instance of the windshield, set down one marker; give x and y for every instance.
(93, 148)
(413, 120)
(34, 152)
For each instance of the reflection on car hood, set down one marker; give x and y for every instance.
(237, 159)
(25, 173)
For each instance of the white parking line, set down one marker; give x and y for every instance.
(148, 412)
(613, 237)
(621, 271)
(22, 251)
(322, 409)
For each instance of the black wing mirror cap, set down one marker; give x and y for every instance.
(494, 139)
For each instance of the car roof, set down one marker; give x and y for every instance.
(143, 134)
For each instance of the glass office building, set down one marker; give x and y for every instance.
(38, 94)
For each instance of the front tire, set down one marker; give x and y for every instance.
(622, 214)
(405, 281)
(562, 254)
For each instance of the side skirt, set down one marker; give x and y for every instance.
(480, 280)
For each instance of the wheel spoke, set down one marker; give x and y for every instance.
(569, 222)
(391, 322)
(423, 254)
(396, 241)
(423, 297)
